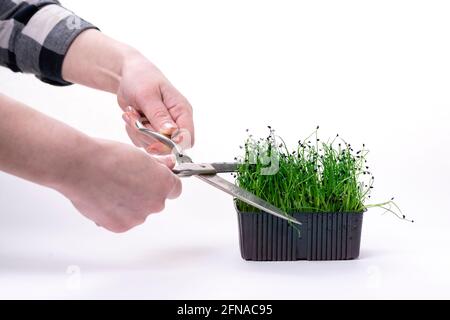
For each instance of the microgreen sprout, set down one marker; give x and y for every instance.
(316, 176)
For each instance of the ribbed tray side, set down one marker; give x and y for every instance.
(322, 236)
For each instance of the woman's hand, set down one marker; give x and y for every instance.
(119, 186)
(97, 61)
(114, 184)
(144, 88)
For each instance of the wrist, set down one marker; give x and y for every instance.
(113, 64)
(75, 166)
(96, 60)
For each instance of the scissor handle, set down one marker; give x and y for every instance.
(160, 137)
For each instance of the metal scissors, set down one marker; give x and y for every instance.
(207, 172)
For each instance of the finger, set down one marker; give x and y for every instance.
(158, 115)
(184, 119)
(122, 103)
(181, 111)
(168, 160)
(176, 188)
(129, 119)
(150, 145)
(183, 138)
(133, 112)
(158, 148)
(170, 183)
(134, 136)
(133, 133)
(141, 140)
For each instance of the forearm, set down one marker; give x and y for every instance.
(38, 148)
(95, 60)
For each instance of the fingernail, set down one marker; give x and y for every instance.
(130, 109)
(133, 111)
(168, 128)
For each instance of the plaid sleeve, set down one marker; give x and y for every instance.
(35, 36)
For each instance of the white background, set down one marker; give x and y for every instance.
(377, 72)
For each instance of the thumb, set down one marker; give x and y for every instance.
(159, 117)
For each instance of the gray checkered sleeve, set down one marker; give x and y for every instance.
(35, 36)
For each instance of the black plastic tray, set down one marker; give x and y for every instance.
(322, 236)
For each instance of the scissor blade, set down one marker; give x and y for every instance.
(188, 169)
(245, 196)
(224, 167)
